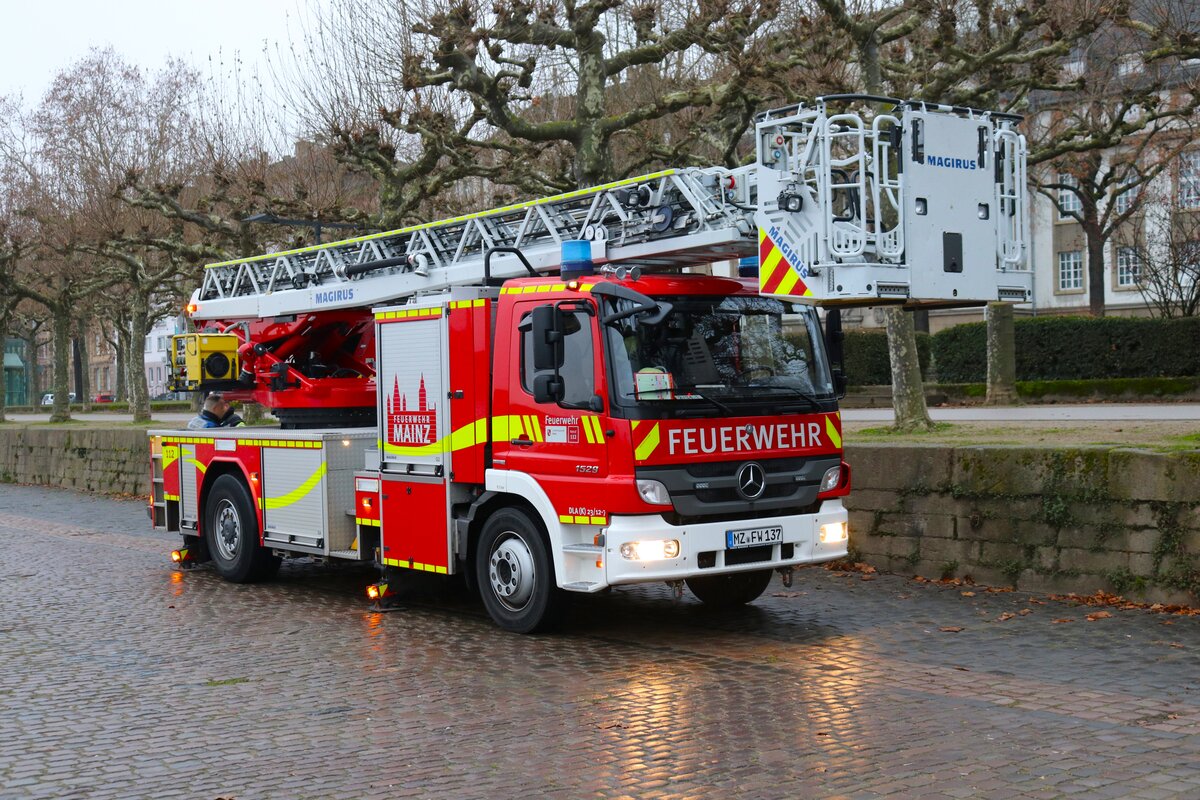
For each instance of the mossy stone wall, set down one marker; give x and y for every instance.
(107, 460)
(1039, 519)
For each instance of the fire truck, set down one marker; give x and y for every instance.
(567, 394)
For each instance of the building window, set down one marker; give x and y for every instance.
(1068, 201)
(1129, 266)
(1129, 64)
(1125, 200)
(1189, 180)
(1070, 270)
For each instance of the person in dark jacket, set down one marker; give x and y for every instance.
(216, 413)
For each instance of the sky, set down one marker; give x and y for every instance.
(42, 37)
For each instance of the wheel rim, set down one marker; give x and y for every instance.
(511, 571)
(228, 530)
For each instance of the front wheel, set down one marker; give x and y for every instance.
(231, 533)
(514, 573)
(734, 589)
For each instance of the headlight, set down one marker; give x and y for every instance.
(654, 493)
(833, 476)
(832, 532)
(653, 550)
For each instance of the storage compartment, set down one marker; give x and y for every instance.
(414, 529)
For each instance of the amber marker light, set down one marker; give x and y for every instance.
(176, 556)
(366, 503)
(373, 592)
(191, 308)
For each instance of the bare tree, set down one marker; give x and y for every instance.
(1098, 148)
(1166, 250)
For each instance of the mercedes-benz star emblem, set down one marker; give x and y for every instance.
(751, 481)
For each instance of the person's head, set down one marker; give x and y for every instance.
(216, 404)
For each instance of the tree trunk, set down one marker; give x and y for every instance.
(1001, 356)
(5, 316)
(1095, 269)
(908, 391)
(83, 369)
(61, 411)
(121, 392)
(139, 393)
(33, 375)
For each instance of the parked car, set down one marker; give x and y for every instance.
(48, 398)
(103, 398)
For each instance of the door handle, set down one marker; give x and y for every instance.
(521, 442)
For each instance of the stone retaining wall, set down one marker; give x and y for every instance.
(108, 460)
(1040, 519)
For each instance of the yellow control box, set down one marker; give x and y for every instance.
(199, 360)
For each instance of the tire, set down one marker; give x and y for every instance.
(734, 589)
(231, 533)
(514, 573)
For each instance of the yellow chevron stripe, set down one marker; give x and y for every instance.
(767, 270)
(788, 283)
(648, 444)
(599, 430)
(832, 433)
(202, 467)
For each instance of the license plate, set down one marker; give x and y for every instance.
(753, 537)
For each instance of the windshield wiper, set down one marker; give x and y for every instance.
(812, 401)
(693, 390)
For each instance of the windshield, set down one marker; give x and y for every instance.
(719, 355)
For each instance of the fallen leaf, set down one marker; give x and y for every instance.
(867, 578)
(1007, 615)
(789, 594)
(1025, 611)
(1062, 620)
(610, 725)
(962, 669)
(1036, 602)
(1166, 622)
(999, 589)
(968, 594)
(950, 629)
(1098, 615)
(1177, 645)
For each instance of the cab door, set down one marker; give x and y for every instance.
(563, 444)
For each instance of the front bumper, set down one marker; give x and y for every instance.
(706, 542)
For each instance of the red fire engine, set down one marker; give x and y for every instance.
(551, 397)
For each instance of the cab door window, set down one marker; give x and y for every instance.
(578, 371)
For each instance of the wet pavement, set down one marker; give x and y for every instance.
(121, 677)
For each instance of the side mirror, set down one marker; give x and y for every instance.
(547, 338)
(834, 336)
(548, 389)
(839, 382)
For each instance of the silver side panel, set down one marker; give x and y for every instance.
(293, 485)
(187, 483)
(412, 395)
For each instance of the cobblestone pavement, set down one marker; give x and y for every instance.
(121, 678)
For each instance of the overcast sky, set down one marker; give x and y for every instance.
(42, 37)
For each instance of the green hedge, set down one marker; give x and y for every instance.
(867, 362)
(1076, 348)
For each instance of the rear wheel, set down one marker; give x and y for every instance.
(735, 589)
(231, 533)
(514, 573)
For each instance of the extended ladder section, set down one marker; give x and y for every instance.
(917, 204)
(921, 204)
(672, 218)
